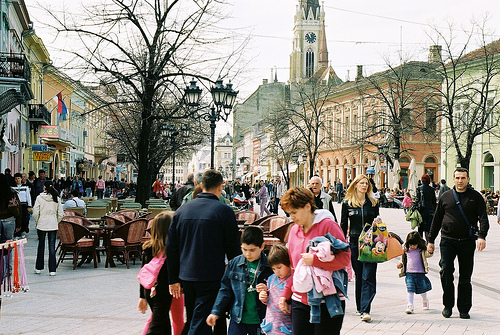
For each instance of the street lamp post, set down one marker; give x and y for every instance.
(384, 150)
(295, 159)
(223, 99)
(172, 132)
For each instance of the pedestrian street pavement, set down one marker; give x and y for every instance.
(103, 301)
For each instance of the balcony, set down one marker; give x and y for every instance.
(39, 115)
(56, 135)
(101, 152)
(15, 79)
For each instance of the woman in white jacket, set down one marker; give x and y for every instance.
(47, 212)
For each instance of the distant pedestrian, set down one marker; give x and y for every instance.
(100, 186)
(47, 212)
(443, 188)
(457, 216)
(263, 195)
(414, 267)
(426, 204)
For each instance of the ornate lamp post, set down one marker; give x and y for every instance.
(172, 132)
(223, 99)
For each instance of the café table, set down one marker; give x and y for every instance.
(103, 231)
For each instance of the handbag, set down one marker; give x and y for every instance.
(148, 274)
(373, 242)
(394, 246)
(473, 230)
(15, 207)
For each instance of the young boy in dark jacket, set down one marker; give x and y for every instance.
(243, 280)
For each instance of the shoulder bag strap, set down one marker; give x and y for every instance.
(460, 207)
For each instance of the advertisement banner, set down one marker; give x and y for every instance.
(42, 156)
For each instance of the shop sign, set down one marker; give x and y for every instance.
(42, 156)
(40, 147)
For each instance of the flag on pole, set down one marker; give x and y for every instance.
(61, 107)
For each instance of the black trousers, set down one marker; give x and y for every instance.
(160, 307)
(301, 324)
(464, 251)
(199, 298)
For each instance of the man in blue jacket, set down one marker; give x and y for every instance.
(203, 232)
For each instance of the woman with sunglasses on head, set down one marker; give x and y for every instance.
(359, 207)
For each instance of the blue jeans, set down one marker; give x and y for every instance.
(100, 193)
(88, 192)
(366, 278)
(464, 250)
(41, 249)
(243, 329)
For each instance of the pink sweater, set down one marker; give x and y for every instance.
(298, 242)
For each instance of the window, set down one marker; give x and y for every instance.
(405, 119)
(309, 63)
(430, 160)
(490, 112)
(430, 121)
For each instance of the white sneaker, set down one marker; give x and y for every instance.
(425, 305)
(409, 309)
(357, 313)
(366, 317)
(38, 271)
(52, 273)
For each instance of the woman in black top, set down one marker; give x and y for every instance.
(426, 201)
(359, 208)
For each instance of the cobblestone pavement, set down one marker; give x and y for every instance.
(103, 301)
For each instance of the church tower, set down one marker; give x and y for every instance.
(309, 54)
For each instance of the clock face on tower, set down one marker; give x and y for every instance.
(310, 37)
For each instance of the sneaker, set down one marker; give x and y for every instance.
(38, 271)
(366, 317)
(52, 273)
(358, 313)
(425, 305)
(409, 309)
(446, 312)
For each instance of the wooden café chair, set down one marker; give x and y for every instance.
(75, 240)
(125, 240)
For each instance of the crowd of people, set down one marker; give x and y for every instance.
(271, 293)
(212, 269)
(23, 195)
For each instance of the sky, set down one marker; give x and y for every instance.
(359, 32)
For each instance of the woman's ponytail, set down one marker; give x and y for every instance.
(49, 188)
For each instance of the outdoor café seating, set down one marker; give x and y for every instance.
(248, 216)
(69, 212)
(126, 240)
(76, 241)
(78, 210)
(96, 212)
(132, 214)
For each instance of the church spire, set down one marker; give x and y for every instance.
(323, 51)
(310, 7)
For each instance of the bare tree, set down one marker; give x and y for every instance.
(148, 49)
(468, 102)
(281, 145)
(396, 106)
(123, 132)
(307, 116)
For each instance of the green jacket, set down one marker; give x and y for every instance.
(414, 217)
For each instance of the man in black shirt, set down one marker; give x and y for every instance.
(456, 240)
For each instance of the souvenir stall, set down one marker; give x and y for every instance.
(13, 277)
